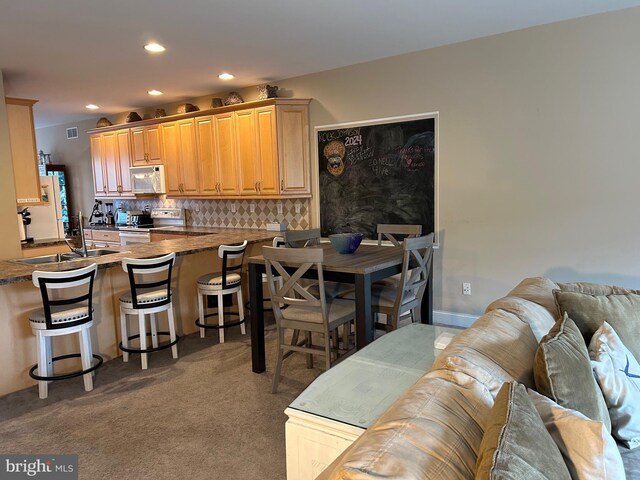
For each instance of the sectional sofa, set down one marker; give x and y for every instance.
(434, 431)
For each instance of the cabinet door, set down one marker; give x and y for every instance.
(293, 149)
(99, 184)
(138, 149)
(124, 160)
(245, 129)
(111, 166)
(152, 138)
(207, 156)
(188, 157)
(22, 141)
(171, 154)
(267, 151)
(226, 153)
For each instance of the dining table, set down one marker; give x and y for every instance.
(368, 264)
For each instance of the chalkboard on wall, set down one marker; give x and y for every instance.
(371, 172)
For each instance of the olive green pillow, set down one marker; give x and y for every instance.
(516, 443)
(621, 311)
(562, 371)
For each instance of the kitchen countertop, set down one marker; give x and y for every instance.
(201, 239)
(43, 242)
(176, 230)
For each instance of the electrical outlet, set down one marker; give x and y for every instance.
(252, 208)
(233, 208)
(466, 288)
(298, 208)
(279, 206)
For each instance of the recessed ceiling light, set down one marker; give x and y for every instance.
(91, 106)
(154, 92)
(226, 76)
(154, 47)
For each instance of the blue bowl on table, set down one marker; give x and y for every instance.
(346, 242)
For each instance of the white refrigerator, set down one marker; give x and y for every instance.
(46, 219)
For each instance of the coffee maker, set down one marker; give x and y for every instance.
(24, 219)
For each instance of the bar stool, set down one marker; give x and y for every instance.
(220, 284)
(64, 315)
(148, 298)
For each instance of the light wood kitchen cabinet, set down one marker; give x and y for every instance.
(210, 177)
(111, 159)
(293, 149)
(101, 238)
(145, 146)
(23, 150)
(178, 141)
(247, 151)
(226, 153)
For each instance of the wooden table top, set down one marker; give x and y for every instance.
(367, 259)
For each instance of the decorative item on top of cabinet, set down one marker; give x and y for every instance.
(160, 112)
(187, 107)
(103, 122)
(24, 156)
(133, 117)
(267, 91)
(233, 99)
(216, 102)
(145, 145)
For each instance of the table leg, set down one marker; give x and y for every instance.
(364, 323)
(426, 309)
(257, 318)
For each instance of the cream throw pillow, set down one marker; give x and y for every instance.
(588, 449)
(618, 374)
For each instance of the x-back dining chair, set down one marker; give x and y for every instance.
(391, 232)
(304, 311)
(406, 296)
(302, 238)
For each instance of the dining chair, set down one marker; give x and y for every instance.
(391, 232)
(302, 238)
(394, 300)
(297, 309)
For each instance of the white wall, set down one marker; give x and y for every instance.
(539, 149)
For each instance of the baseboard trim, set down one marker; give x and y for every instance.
(462, 320)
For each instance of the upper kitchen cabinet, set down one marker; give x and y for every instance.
(23, 150)
(293, 149)
(145, 145)
(216, 155)
(111, 159)
(179, 150)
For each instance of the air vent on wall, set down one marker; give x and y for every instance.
(72, 133)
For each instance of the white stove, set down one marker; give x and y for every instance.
(163, 219)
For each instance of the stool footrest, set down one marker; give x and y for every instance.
(65, 376)
(148, 350)
(218, 327)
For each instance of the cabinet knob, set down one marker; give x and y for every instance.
(282, 185)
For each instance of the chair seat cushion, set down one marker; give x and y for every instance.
(337, 309)
(383, 295)
(59, 314)
(145, 297)
(331, 289)
(214, 280)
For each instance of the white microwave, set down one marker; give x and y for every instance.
(148, 180)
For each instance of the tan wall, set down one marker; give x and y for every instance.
(538, 138)
(10, 238)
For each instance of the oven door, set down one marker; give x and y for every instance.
(129, 238)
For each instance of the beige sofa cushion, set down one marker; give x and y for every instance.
(538, 317)
(516, 444)
(589, 311)
(537, 290)
(433, 431)
(594, 288)
(497, 349)
(562, 371)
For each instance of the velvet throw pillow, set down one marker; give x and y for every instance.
(516, 443)
(618, 374)
(588, 448)
(562, 371)
(621, 311)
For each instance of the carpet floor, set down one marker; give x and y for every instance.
(203, 416)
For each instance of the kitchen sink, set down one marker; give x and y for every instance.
(65, 257)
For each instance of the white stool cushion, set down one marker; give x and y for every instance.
(59, 314)
(337, 308)
(214, 280)
(145, 297)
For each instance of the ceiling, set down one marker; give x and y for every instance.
(68, 53)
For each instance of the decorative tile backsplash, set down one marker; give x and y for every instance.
(218, 213)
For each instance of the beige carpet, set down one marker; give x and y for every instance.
(203, 416)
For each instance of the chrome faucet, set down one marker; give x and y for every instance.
(80, 251)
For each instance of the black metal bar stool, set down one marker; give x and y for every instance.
(63, 315)
(220, 284)
(150, 282)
